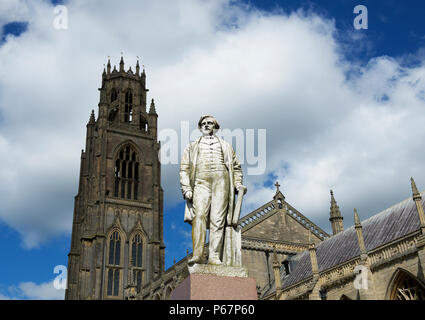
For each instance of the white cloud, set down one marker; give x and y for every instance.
(286, 73)
(13, 10)
(33, 291)
(43, 291)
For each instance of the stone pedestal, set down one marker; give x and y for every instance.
(212, 282)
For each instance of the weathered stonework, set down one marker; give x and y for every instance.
(392, 270)
(218, 270)
(119, 194)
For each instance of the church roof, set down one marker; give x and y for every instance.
(384, 227)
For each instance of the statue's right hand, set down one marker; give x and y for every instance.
(188, 195)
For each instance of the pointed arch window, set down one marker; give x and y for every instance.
(114, 248)
(143, 123)
(128, 107)
(137, 259)
(407, 287)
(114, 264)
(137, 251)
(126, 171)
(114, 95)
(168, 293)
(113, 112)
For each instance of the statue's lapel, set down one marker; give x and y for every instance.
(225, 150)
(194, 157)
(195, 151)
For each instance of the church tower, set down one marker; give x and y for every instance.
(117, 234)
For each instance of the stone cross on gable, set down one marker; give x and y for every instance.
(277, 185)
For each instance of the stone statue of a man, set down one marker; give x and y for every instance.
(210, 174)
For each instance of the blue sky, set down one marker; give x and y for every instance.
(394, 27)
(34, 239)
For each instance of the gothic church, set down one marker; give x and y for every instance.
(117, 248)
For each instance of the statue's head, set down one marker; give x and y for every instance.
(208, 125)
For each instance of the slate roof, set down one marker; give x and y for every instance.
(384, 227)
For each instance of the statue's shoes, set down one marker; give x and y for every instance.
(195, 259)
(215, 261)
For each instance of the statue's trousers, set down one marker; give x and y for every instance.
(210, 200)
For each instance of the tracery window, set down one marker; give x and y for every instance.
(137, 251)
(128, 107)
(137, 259)
(126, 173)
(407, 287)
(114, 105)
(114, 264)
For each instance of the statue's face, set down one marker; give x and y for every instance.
(207, 126)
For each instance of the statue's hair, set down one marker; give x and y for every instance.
(216, 125)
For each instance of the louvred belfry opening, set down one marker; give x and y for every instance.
(128, 110)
